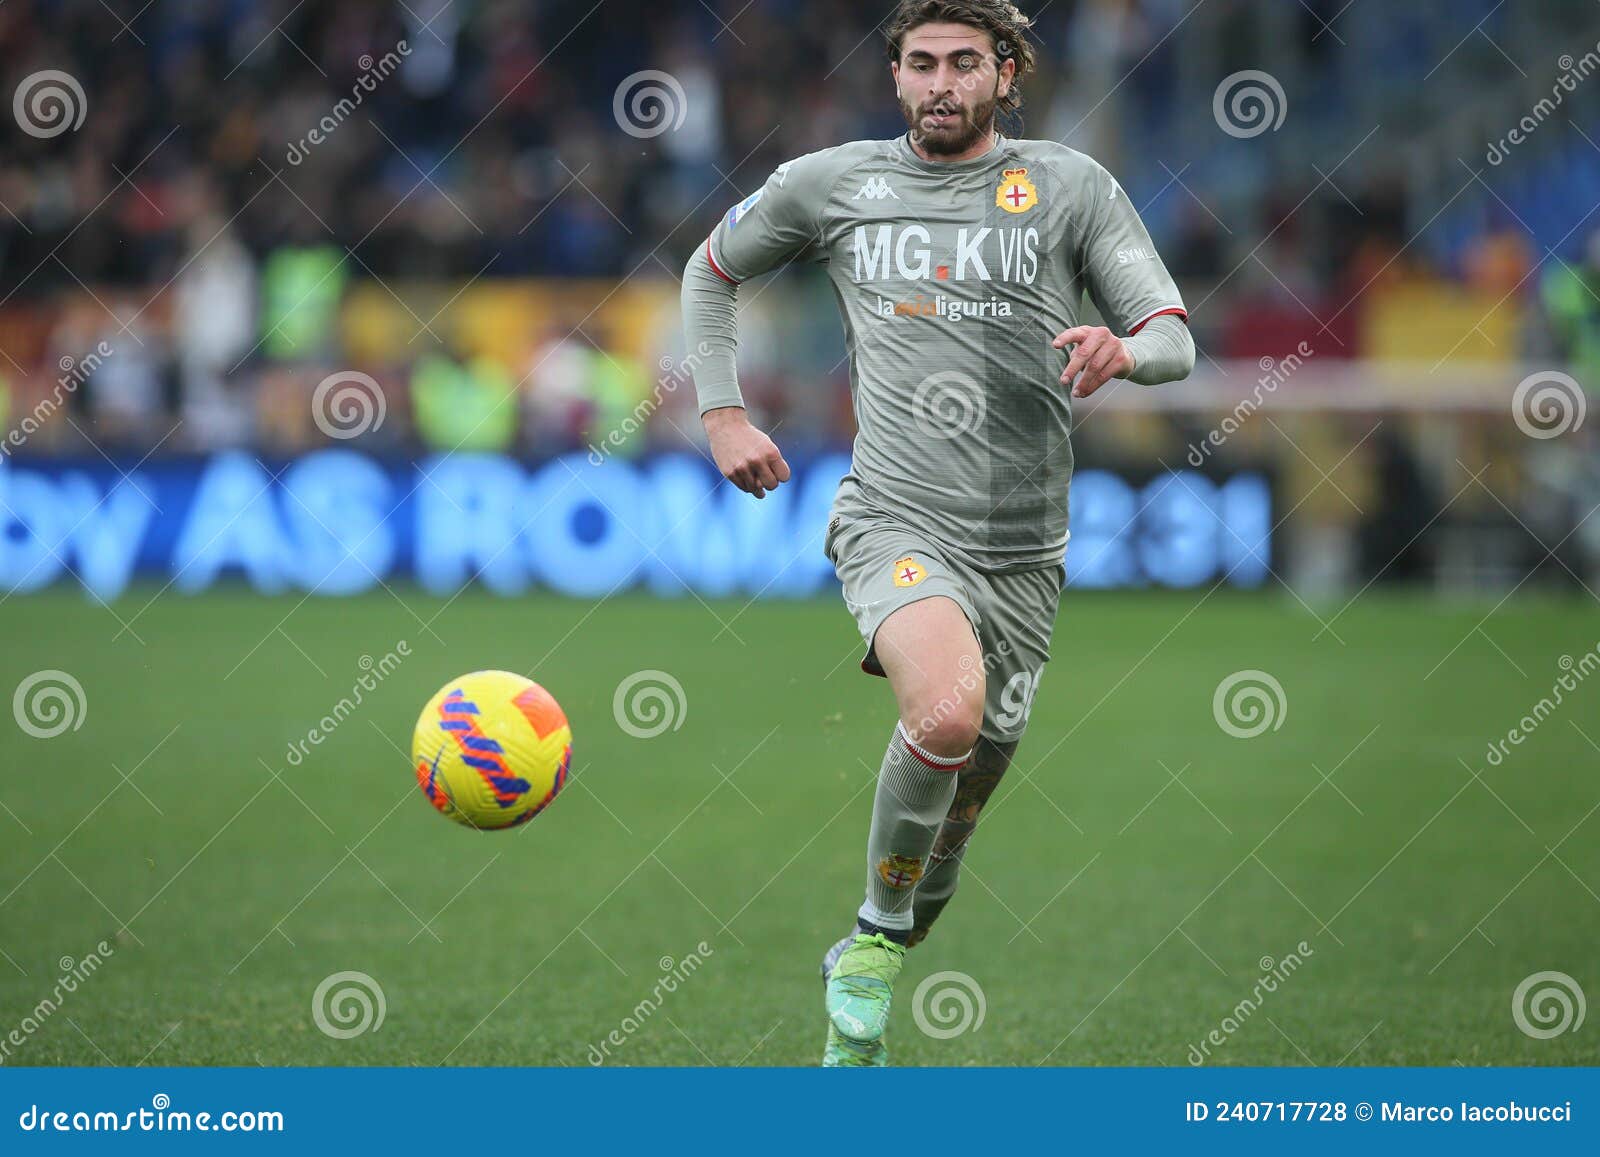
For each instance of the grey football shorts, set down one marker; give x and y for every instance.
(885, 564)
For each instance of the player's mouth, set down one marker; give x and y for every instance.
(942, 115)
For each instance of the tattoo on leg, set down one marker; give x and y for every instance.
(951, 841)
(975, 783)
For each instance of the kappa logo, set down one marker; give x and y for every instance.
(876, 189)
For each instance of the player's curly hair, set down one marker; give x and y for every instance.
(1002, 20)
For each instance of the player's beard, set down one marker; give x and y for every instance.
(969, 124)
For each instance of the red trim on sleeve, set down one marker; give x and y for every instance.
(715, 268)
(1179, 310)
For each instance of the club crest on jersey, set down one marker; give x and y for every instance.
(908, 572)
(899, 872)
(1016, 193)
(743, 207)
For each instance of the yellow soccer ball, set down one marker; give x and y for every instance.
(492, 749)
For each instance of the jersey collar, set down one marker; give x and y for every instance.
(979, 162)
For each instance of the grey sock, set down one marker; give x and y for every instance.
(915, 790)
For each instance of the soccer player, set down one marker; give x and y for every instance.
(960, 258)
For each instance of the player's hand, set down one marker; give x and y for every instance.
(747, 457)
(1098, 355)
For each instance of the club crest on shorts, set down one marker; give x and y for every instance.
(908, 572)
(900, 872)
(1016, 193)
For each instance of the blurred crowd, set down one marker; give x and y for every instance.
(245, 169)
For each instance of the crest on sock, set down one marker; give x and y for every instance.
(900, 872)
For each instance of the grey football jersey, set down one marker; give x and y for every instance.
(952, 279)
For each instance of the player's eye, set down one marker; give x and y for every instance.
(967, 63)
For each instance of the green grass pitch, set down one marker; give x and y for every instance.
(1123, 889)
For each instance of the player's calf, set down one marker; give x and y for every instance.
(975, 783)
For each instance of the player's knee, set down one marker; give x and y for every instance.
(946, 728)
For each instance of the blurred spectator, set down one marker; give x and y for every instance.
(128, 394)
(557, 398)
(1573, 307)
(244, 171)
(463, 405)
(214, 329)
(301, 287)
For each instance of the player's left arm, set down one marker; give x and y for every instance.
(1148, 339)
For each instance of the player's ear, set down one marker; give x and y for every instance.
(1008, 69)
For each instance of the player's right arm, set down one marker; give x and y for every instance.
(774, 225)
